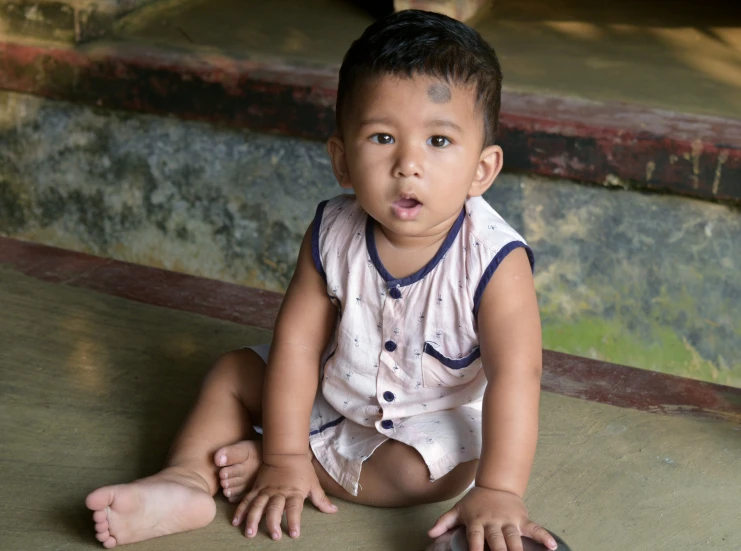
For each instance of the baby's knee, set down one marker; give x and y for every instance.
(411, 477)
(231, 368)
(404, 471)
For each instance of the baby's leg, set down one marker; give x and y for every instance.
(397, 476)
(179, 497)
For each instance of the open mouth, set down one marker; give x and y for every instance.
(406, 207)
(407, 203)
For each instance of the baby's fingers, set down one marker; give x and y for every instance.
(242, 509)
(294, 506)
(273, 515)
(446, 522)
(321, 501)
(256, 509)
(540, 534)
(475, 536)
(505, 538)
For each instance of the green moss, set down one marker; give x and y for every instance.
(660, 349)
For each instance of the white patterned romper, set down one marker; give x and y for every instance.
(404, 362)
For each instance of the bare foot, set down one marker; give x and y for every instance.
(173, 500)
(238, 465)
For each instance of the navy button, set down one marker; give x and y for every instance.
(388, 396)
(390, 346)
(387, 424)
(395, 293)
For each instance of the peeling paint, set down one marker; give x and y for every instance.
(612, 180)
(697, 147)
(650, 168)
(722, 158)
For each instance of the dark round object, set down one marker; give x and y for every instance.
(460, 543)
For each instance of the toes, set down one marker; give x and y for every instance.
(236, 453)
(100, 517)
(235, 471)
(232, 478)
(234, 492)
(109, 543)
(100, 498)
(103, 536)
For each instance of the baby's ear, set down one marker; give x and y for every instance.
(490, 164)
(336, 150)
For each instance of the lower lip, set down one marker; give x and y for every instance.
(406, 213)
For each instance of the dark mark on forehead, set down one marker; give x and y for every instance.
(439, 92)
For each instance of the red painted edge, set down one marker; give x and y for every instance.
(177, 291)
(604, 143)
(563, 374)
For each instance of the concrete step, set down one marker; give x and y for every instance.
(594, 99)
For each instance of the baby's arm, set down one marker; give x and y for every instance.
(511, 351)
(304, 326)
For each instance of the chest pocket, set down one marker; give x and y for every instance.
(439, 370)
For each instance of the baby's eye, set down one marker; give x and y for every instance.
(382, 138)
(438, 141)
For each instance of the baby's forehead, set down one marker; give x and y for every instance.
(439, 90)
(378, 96)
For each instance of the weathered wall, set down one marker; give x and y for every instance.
(63, 20)
(645, 280)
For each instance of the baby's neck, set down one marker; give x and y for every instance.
(403, 256)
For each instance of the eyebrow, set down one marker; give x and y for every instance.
(428, 124)
(376, 120)
(443, 122)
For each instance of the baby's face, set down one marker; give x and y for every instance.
(412, 148)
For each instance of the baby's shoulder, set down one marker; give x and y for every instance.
(486, 228)
(343, 207)
(339, 223)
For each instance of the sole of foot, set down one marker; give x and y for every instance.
(166, 503)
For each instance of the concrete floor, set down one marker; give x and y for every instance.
(681, 56)
(93, 388)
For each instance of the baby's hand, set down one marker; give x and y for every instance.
(282, 484)
(494, 516)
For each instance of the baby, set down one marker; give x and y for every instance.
(406, 360)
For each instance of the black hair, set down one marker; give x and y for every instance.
(415, 42)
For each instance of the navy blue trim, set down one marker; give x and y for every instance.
(326, 361)
(492, 267)
(370, 243)
(315, 227)
(327, 426)
(460, 363)
(330, 356)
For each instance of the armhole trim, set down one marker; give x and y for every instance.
(316, 226)
(492, 267)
